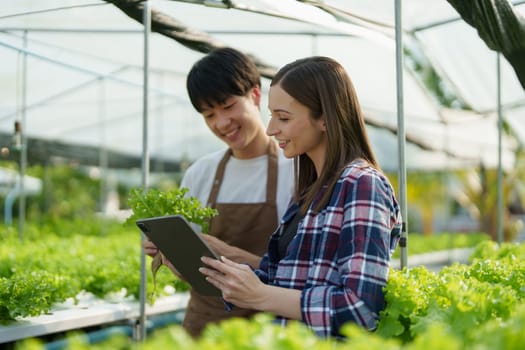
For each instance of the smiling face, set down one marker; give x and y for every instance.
(237, 122)
(294, 128)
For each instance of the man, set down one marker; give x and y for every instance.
(250, 183)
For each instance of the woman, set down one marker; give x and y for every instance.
(328, 262)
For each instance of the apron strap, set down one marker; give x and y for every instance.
(273, 171)
(219, 174)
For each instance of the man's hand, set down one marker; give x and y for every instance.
(218, 246)
(222, 248)
(150, 248)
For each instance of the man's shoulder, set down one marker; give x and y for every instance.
(210, 160)
(201, 170)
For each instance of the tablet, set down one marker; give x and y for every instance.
(183, 247)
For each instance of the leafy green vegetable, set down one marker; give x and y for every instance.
(461, 297)
(48, 267)
(153, 202)
(471, 307)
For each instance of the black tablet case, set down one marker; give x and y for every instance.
(182, 246)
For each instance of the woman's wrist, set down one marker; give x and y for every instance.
(281, 301)
(263, 301)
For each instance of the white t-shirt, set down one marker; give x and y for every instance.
(244, 180)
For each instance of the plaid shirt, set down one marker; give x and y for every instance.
(340, 256)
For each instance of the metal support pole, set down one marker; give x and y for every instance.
(500, 167)
(23, 146)
(403, 243)
(103, 160)
(141, 326)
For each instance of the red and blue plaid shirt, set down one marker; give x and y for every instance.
(340, 256)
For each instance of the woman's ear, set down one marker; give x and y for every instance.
(322, 123)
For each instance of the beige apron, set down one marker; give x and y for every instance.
(244, 225)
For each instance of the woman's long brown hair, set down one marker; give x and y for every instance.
(324, 87)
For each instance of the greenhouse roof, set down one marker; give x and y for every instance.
(72, 73)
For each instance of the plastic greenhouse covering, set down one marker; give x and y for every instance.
(72, 73)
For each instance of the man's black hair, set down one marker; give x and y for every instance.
(222, 73)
